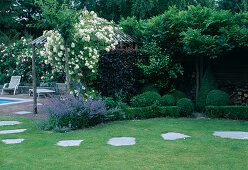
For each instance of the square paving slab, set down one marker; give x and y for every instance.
(6, 123)
(69, 142)
(173, 136)
(11, 131)
(122, 141)
(22, 112)
(12, 141)
(231, 134)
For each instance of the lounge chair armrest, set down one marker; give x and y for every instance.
(5, 85)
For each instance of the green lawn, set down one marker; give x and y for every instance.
(201, 151)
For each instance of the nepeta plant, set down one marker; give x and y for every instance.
(76, 112)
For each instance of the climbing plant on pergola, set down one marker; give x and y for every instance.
(118, 36)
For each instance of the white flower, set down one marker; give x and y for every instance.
(60, 53)
(49, 39)
(77, 66)
(42, 53)
(107, 49)
(62, 47)
(55, 49)
(72, 52)
(72, 45)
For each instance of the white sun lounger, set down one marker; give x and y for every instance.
(41, 92)
(12, 85)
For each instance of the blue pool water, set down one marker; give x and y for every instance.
(3, 101)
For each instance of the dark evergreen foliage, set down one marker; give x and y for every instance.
(185, 107)
(217, 98)
(118, 73)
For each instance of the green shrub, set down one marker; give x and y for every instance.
(149, 87)
(150, 112)
(178, 94)
(208, 83)
(110, 103)
(3, 79)
(170, 111)
(145, 99)
(168, 100)
(217, 98)
(229, 112)
(185, 107)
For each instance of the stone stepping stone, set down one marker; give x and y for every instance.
(12, 141)
(6, 123)
(22, 112)
(69, 142)
(121, 141)
(12, 131)
(231, 134)
(174, 136)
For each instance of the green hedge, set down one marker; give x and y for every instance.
(229, 112)
(150, 112)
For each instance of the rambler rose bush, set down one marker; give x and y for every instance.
(17, 60)
(91, 35)
(45, 72)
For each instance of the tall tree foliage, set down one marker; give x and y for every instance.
(142, 9)
(198, 32)
(8, 22)
(233, 5)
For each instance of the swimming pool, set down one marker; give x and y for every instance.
(3, 101)
(7, 100)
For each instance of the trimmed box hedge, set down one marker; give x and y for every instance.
(150, 112)
(229, 112)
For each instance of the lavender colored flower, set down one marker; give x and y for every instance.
(75, 111)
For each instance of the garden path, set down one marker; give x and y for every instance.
(118, 141)
(21, 109)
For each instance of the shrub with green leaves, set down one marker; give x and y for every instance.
(185, 107)
(228, 112)
(145, 99)
(150, 112)
(217, 98)
(168, 100)
(208, 83)
(178, 94)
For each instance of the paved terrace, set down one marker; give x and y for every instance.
(9, 110)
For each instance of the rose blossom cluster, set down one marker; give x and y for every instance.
(92, 34)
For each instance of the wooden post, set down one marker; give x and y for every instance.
(67, 67)
(34, 81)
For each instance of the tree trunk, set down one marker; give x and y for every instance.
(34, 81)
(197, 79)
(201, 68)
(67, 66)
